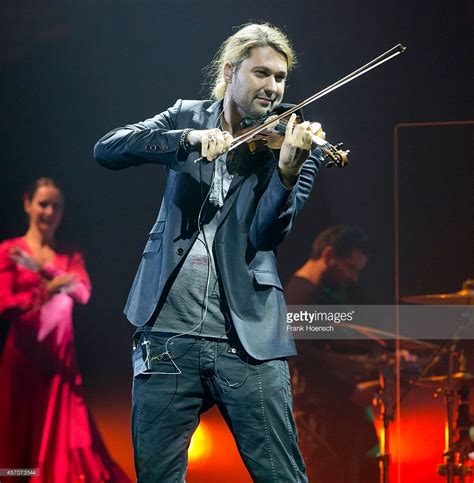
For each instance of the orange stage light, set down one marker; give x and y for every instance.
(201, 444)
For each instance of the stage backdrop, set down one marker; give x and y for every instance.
(71, 71)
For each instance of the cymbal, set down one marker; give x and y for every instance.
(389, 337)
(459, 379)
(366, 367)
(407, 376)
(463, 297)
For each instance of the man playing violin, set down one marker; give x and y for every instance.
(206, 301)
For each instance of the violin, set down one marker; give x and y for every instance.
(273, 135)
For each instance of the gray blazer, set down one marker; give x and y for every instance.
(258, 213)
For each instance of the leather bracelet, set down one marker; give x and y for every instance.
(184, 143)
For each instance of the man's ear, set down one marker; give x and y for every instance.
(328, 253)
(228, 72)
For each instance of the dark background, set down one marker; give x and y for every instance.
(71, 71)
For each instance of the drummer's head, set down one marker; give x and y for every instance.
(342, 251)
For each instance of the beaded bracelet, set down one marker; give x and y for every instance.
(184, 143)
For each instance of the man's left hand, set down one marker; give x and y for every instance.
(296, 148)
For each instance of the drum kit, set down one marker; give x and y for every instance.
(455, 385)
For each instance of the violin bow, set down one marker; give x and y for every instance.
(390, 54)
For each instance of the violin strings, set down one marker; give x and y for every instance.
(284, 122)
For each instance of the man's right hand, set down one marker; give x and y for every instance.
(213, 142)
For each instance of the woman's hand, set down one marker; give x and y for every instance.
(61, 284)
(23, 259)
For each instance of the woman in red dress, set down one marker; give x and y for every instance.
(43, 417)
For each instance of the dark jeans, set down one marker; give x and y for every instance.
(254, 398)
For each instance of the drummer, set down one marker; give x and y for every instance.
(338, 441)
(338, 256)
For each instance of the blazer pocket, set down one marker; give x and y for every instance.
(155, 237)
(157, 230)
(267, 278)
(153, 245)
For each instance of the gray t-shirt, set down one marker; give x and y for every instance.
(195, 294)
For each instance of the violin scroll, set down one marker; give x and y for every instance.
(337, 156)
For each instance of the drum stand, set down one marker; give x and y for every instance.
(448, 468)
(456, 454)
(386, 399)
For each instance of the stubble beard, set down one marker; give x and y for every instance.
(256, 111)
(249, 108)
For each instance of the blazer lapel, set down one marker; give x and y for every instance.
(213, 112)
(231, 196)
(212, 116)
(210, 121)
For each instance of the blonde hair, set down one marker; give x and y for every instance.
(237, 48)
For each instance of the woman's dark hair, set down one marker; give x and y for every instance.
(29, 193)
